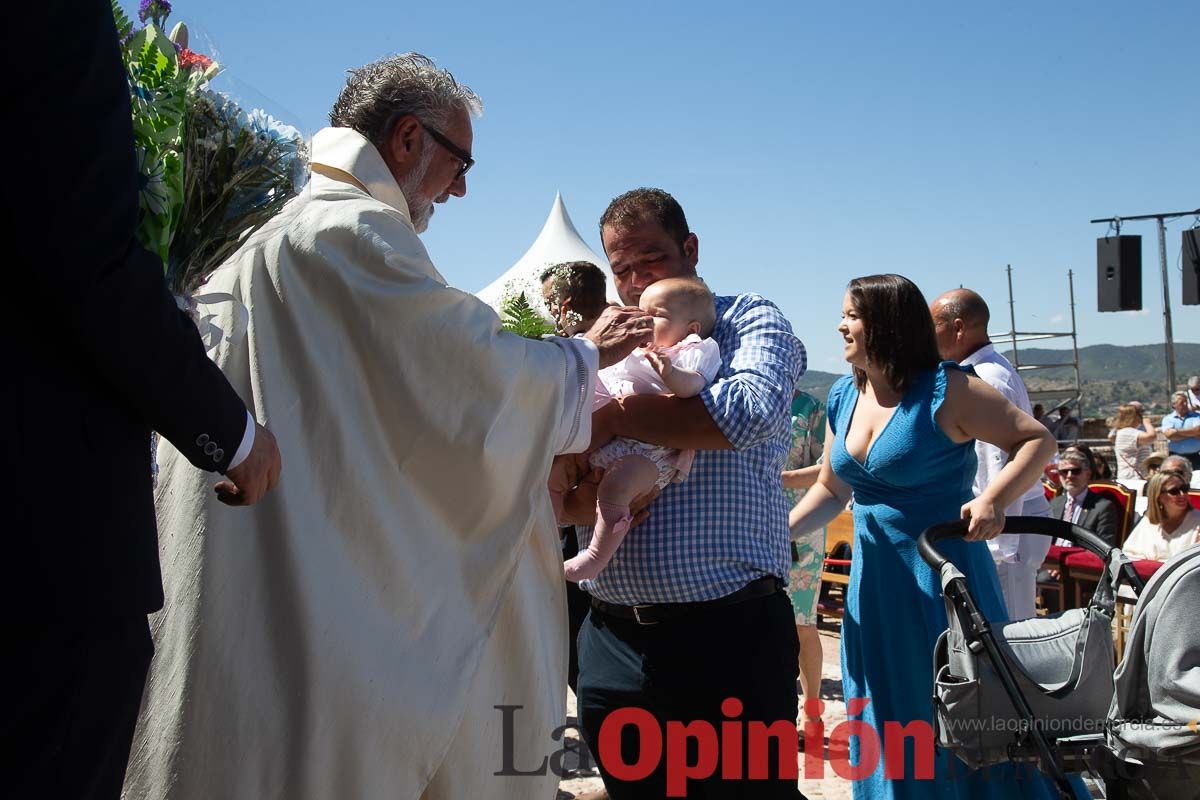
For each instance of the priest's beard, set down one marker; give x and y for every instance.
(420, 208)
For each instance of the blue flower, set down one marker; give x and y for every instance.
(152, 187)
(155, 11)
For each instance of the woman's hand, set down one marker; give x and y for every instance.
(987, 520)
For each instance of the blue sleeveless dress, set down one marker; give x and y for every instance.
(913, 476)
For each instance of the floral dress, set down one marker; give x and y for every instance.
(808, 552)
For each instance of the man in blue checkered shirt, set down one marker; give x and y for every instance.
(691, 611)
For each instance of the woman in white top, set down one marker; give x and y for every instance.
(1134, 435)
(1170, 524)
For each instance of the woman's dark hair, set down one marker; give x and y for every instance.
(899, 330)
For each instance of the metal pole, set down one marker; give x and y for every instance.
(1012, 318)
(1075, 340)
(1169, 344)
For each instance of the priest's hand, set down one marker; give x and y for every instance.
(246, 483)
(579, 503)
(618, 331)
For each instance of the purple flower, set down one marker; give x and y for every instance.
(155, 11)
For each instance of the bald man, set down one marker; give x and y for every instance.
(960, 319)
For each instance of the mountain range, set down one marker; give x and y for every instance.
(1110, 374)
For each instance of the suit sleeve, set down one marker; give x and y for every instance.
(76, 253)
(1107, 521)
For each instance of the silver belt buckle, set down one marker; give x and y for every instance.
(637, 615)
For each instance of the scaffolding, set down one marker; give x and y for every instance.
(1066, 396)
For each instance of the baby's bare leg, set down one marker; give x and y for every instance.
(628, 478)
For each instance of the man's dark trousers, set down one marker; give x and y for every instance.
(682, 670)
(71, 704)
(577, 608)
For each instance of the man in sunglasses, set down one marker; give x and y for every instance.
(1077, 504)
(391, 624)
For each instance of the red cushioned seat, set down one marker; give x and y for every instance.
(1057, 552)
(1090, 561)
(1145, 568)
(1082, 559)
(1085, 568)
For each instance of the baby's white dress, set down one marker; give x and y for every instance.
(635, 375)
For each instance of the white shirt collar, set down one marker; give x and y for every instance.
(348, 151)
(979, 356)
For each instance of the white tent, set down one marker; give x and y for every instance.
(558, 242)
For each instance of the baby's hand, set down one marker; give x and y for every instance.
(661, 363)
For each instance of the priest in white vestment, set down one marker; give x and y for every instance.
(352, 636)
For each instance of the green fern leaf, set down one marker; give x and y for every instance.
(519, 317)
(124, 26)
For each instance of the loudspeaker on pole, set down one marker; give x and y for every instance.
(1191, 267)
(1119, 273)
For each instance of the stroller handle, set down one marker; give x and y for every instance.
(1039, 525)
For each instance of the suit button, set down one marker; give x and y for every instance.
(217, 456)
(210, 448)
(202, 440)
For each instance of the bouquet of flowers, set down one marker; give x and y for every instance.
(210, 172)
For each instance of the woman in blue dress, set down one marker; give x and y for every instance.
(900, 436)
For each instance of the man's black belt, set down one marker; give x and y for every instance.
(661, 612)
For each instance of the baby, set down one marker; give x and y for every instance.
(682, 361)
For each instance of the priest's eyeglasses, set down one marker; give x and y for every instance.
(452, 149)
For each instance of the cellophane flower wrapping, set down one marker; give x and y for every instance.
(210, 173)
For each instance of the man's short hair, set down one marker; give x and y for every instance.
(1194, 382)
(583, 282)
(378, 94)
(1178, 396)
(694, 297)
(646, 205)
(1178, 463)
(1081, 454)
(966, 305)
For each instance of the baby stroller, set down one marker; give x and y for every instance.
(1036, 690)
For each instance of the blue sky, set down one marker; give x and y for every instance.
(808, 143)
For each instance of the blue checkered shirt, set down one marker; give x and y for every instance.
(726, 525)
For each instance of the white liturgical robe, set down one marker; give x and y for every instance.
(351, 635)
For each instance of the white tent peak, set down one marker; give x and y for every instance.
(559, 241)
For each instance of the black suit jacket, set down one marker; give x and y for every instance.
(1100, 515)
(97, 352)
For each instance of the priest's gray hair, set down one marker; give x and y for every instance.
(379, 93)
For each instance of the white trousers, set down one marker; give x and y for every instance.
(1018, 558)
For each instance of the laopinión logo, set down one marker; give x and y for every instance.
(671, 748)
(712, 749)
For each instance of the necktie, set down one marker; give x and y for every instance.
(1069, 511)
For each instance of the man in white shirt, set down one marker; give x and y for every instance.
(960, 320)
(389, 622)
(1193, 392)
